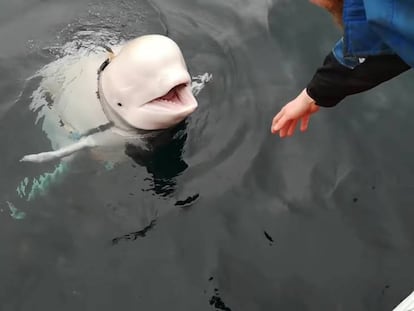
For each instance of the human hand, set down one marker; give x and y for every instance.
(300, 108)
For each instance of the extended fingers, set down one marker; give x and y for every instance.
(283, 131)
(288, 129)
(278, 116)
(292, 127)
(300, 109)
(305, 122)
(279, 122)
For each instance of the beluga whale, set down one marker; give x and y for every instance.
(105, 100)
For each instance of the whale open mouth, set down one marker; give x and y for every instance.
(173, 95)
(178, 98)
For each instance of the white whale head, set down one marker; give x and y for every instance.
(147, 85)
(144, 86)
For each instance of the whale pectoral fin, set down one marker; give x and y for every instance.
(39, 157)
(83, 143)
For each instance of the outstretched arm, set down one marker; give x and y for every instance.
(331, 83)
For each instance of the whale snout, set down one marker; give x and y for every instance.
(148, 85)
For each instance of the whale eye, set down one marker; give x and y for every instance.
(119, 104)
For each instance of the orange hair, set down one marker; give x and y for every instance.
(335, 7)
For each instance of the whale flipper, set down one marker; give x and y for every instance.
(83, 143)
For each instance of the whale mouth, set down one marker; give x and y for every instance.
(173, 95)
(178, 98)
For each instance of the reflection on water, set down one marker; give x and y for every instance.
(163, 160)
(321, 221)
(134, 235)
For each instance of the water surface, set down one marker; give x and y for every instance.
(226, 217)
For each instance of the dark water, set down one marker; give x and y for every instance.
(226, 217)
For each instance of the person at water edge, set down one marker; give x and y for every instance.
(377, 45)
